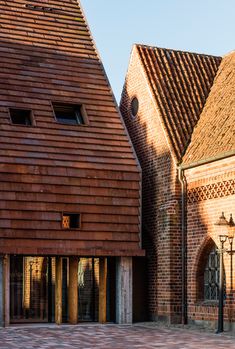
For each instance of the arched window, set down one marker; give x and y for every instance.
(211, 276)
(207, 274)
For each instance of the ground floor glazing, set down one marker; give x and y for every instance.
(48, 289)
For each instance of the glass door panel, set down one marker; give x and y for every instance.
(88, 289)
(28, 289)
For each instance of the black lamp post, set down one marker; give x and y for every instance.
(226, 231)
(223, 238)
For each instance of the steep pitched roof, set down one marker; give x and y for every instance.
(57, 25)
(180, 82)
(47, 56)
(215, 131)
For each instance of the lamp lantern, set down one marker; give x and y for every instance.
(231, 229)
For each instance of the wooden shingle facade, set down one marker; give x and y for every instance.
(47, 56)
(53, 167)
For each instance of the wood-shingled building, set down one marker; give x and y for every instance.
(70, 181)
(179, 109)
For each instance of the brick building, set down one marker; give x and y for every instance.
(70, 181)
(179, 109)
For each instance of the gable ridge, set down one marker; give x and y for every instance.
(179, 51)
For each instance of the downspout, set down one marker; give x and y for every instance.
(183, 183)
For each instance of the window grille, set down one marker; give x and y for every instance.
(211, 276)
(71, 221)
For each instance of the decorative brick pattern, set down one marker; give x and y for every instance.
(206, 202)
(211, 191)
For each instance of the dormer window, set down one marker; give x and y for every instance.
(21, 116)
(70, 114)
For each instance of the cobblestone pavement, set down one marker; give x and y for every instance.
(111, 337)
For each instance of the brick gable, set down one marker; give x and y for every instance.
(180, 83)
(160, 225)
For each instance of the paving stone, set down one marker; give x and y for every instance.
(141, 336)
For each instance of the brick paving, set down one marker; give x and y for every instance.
(111, 337)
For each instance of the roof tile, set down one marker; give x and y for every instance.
(215, 132)
(180, 82)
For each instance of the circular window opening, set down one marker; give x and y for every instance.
(134, 106)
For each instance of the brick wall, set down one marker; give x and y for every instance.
(161, 233)
(211, 190)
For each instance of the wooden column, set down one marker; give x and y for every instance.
(102, 289)
(6, 289)
(73, 290)
(124, 290)
(58, 291)
(1, 292)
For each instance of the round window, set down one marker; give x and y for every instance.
(134, 106)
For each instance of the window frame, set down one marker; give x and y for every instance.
(69, 214)
(199, 280)
(82, 109)
(31, 116)
(134, 115)
(213, 272)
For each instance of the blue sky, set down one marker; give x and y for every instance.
(204, 26)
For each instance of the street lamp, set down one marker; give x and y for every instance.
(226, 231)
(231, 230)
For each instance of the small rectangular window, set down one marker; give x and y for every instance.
(70, 114)
(71, 221)
(21, 116)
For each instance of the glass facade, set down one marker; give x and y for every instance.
(28, 289)
(32, 289)
(88, 289)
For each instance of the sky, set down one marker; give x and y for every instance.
(203, 26)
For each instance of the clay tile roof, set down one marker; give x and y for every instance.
(180, 82)
(214, 134)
